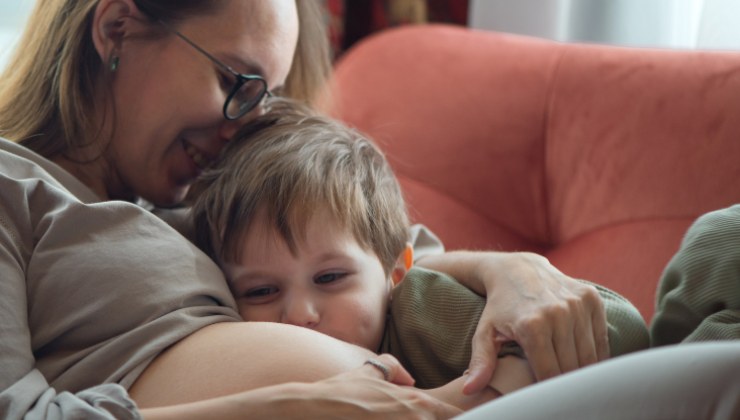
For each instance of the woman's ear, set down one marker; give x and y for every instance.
(110, 24)
(403, 265)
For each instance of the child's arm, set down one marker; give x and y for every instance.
(452, 393)
(511, 373)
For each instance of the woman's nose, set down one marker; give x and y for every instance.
(228, 128)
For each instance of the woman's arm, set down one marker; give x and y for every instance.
(210, 371)
(25, 393)
(559, 322)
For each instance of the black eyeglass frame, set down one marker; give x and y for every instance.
(241, 79)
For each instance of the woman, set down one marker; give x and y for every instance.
(118, 101)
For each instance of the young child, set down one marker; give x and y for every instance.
(307, 220)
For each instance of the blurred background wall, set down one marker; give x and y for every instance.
(699, 24)
(696, 24)
(13, 15)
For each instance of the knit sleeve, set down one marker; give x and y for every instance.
(698, 297)
(431, 325)
(627, 329)
(433, 319)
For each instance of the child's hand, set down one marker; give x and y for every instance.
(452, 393)
(512, 373)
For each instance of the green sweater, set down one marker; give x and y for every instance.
(698, 297)
(432, 320)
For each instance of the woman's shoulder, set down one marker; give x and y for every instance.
(19, 163)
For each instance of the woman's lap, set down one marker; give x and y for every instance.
(687, 381)
(230, 357)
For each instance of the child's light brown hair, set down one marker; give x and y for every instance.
(291, 163)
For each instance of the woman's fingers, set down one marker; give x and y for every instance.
(558, 321)
(535, 335)
(573, 336)
(591, 335)
(484, 355)
(365, 393)
(564, 335)
(600, 330)
(389, 369)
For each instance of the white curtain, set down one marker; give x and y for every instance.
(706, 24)
(720, 25)
(13, 15)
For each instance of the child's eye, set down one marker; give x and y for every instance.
(261, 293)
(329, 278)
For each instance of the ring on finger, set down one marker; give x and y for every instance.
(380, 367)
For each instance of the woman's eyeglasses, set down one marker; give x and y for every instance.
(248, 89)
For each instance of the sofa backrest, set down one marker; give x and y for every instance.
(598, 157)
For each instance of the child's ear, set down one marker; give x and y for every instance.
(403, 265)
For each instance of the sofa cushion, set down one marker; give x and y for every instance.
(599, 157)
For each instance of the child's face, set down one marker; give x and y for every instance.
(332, 285)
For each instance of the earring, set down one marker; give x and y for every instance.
(114, 60)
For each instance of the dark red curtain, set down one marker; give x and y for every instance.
(352, 20)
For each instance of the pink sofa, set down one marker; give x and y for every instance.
(597, 157)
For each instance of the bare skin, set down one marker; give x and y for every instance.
(274, 363)
(221, 372)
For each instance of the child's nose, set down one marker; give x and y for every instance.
(302, 314)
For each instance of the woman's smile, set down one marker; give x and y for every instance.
(201, 158)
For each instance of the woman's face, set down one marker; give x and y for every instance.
(169, 96)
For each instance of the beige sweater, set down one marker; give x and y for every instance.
(90, 293)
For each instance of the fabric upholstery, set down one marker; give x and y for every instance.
(598, 157)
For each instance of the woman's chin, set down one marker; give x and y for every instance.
(168, 198)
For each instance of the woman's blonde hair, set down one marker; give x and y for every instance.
(47, 90)
(288, 165)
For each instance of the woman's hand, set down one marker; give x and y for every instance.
(559, 322)
(362, 393)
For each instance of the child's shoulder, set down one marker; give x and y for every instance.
(424, 287)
